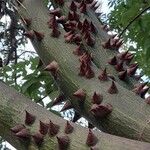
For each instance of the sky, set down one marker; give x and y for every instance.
(104, 8)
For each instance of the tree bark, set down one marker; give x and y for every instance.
(130, 115)
(101, 56)
(13, 106)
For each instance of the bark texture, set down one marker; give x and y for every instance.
(13, 106)
(130, 115)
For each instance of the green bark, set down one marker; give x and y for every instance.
(130, 114)
(100, 55)
(13, 106)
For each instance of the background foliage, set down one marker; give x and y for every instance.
(137, 36)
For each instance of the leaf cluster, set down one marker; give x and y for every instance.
(138, 34)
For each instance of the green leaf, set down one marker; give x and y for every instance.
(28, 84)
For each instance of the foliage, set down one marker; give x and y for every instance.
(138, 33)
(31, 81)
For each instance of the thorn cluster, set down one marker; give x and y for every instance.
(85, 66)
(68, 128)
(113, 88)
(53, 128)
(113, 44)
(67, 106)
(80, 94)
(53, 68)
(91, 139)
(97, 98)
(101, 111)
(103, 75)
(43, 128)
(29, 118)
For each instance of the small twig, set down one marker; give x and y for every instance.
(26, 52)
(15, 70)
(136, 17)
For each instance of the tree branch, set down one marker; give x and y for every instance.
(13, 106)
(130, 114)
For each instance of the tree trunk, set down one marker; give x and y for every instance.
(130, 115)
(13, 106)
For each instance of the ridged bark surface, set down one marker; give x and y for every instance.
(13, 106)
(130, 115)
